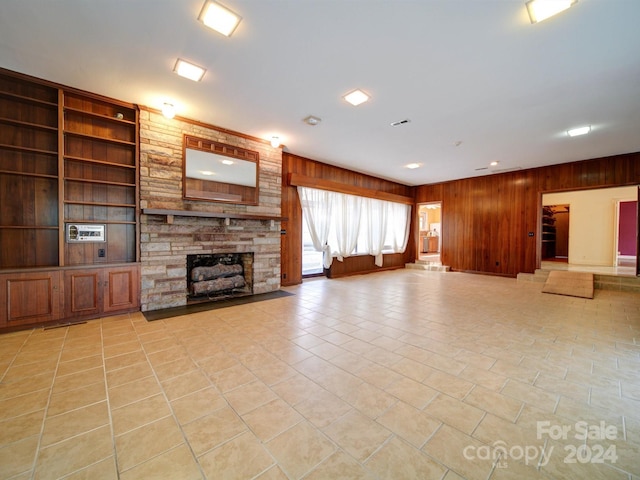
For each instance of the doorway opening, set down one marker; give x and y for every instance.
(555, 233)
(595, 218)
(626, 238)
(430, 232)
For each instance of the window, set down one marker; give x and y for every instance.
(311, 258)
(343, 225)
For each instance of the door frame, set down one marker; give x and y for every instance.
(418, 230)
(616, 243)
(539, 221)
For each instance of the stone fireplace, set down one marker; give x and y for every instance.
(173, 228)
(166, 247)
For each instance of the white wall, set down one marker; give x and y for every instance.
(592, 222)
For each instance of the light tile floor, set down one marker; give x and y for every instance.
(395, 375)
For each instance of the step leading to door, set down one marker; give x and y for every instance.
(600, 281)
(429, 266)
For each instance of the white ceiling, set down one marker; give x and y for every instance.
(475, 71)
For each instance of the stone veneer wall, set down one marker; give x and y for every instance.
(164, 246)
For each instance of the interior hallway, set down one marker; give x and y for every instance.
(400, 374)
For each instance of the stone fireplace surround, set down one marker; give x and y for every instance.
(172, 228)
(164, 267)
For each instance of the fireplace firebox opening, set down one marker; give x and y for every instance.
(217, 276)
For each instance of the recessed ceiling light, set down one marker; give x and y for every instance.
(206, 172)
(494, 163)
(356, 97)
(227, 162)
(574, 132)
(542, 9)
(219, 18)
(189, 70)
(275, 141)
(412, 166)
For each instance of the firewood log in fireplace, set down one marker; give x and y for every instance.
(199, 274)
(215, 279)
(217, 285)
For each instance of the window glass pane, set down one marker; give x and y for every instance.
(311, 259)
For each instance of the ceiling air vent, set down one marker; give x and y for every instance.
(311, 120)
(400, 122)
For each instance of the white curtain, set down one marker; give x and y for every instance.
(340, 223)
(343, 234)
(375, 215)
(316, 208)
(399, 222)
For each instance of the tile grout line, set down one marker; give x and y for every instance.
(108, 400)
(46, 409)
(169, 405)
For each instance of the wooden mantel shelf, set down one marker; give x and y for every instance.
(193, 213)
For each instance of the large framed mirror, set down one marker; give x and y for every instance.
(217, 172)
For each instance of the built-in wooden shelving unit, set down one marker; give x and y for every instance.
(66, 157)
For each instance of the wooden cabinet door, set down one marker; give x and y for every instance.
(83, 292)
(433, 244)
(29, 298)
(121, 289)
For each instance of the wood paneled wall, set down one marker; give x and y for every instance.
(292, 227)
(491, 224)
